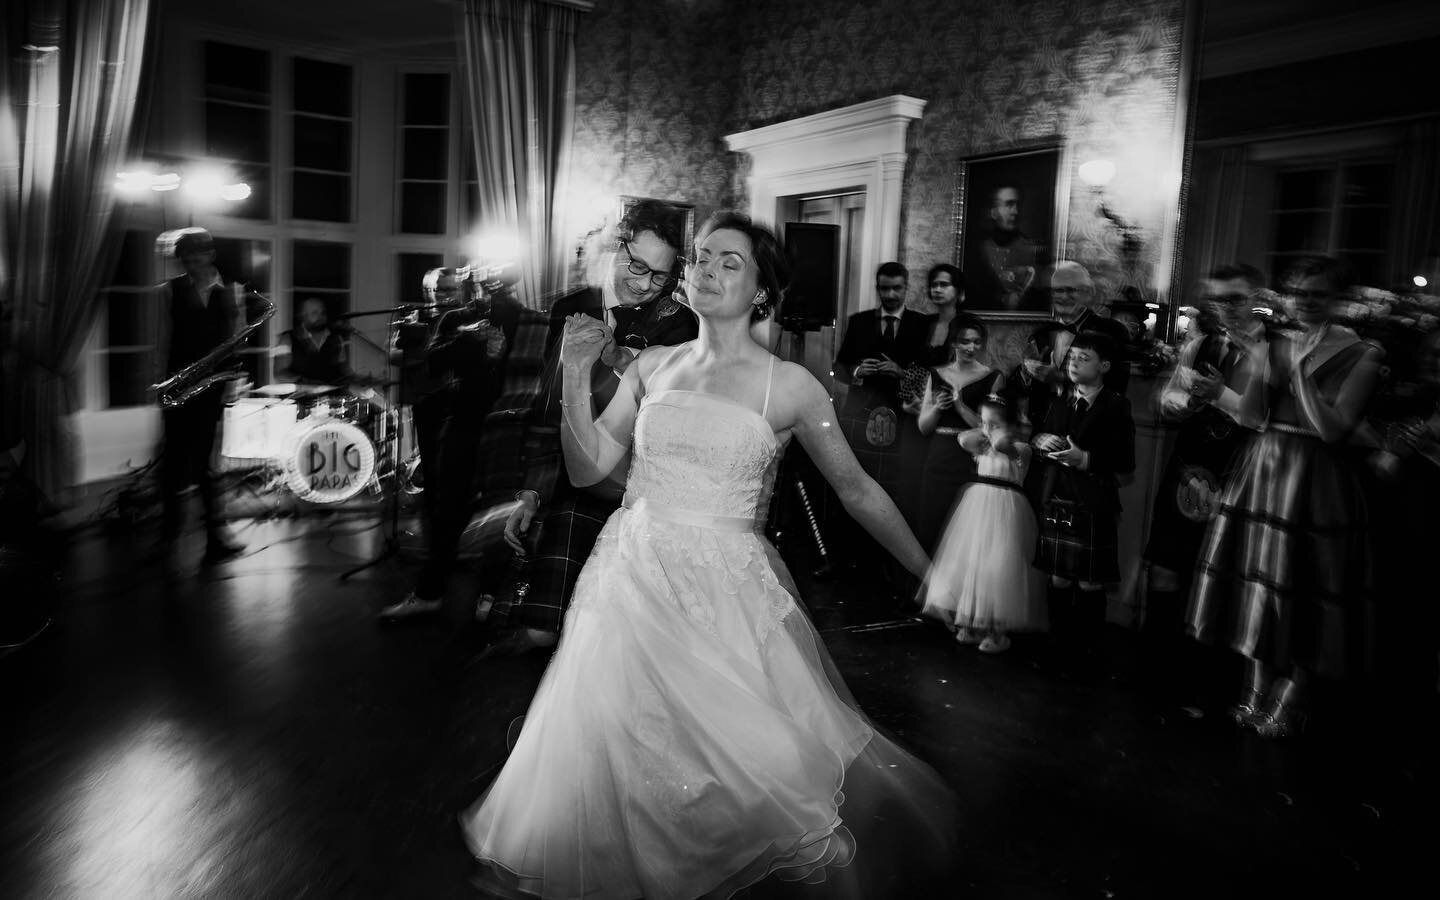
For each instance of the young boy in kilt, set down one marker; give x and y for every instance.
(1086, 443)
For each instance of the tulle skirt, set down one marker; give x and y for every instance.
(691, 737)
(982, 577)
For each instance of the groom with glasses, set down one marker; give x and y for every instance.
(554, 524)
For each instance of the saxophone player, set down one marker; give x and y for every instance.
(204, 312)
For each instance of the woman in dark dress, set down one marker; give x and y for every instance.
(950, 406)
(1284, 576)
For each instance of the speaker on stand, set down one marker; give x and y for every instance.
(801, 497)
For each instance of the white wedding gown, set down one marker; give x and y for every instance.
(689, 736)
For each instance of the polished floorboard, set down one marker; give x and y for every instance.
(247, 730)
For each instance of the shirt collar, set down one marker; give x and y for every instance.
(214, 281)
(1088, 393)
(897, 314)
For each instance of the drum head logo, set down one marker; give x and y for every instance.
(332, 461)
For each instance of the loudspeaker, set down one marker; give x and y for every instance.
(814, 253)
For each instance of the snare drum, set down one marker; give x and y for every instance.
(329, 460)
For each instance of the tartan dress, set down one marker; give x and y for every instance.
(1285, 571)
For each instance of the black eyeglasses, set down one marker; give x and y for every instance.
(636, 267)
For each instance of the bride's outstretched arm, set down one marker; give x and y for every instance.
(818, 431)
(592, 447)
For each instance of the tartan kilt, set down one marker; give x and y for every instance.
(567, 536)
(1284, 576)
(1077, 544)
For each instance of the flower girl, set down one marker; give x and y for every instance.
(982, 582)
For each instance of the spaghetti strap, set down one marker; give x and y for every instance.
(769, 381)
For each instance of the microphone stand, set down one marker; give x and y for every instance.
(392, 536)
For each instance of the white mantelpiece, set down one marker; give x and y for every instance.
(857, 147)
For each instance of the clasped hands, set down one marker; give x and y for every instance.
(587, 339)
(871, 366)
(1061, 450)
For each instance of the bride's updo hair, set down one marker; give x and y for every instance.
(773, 268)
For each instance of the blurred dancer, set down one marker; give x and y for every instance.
(1284, 576)
(1203, 398)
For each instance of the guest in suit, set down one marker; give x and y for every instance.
(1087, 442)
(879, 345)
(1285, 574)
(1042, 373)
(469, 354)
(635, 301)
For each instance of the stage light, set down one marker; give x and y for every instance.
(133, 182)
(235, 192)
(495, 248)
(203, 185)
(1420, 281)
(1097, 172)
(170, 181)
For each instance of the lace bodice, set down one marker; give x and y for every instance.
(703, 453)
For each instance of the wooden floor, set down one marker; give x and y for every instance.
(247, 730)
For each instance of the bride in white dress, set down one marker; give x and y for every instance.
(690, 736)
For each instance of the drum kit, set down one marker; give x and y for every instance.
(323, 443)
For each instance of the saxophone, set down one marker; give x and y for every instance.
(198, 377)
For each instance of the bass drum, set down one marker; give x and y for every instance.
(329, 461)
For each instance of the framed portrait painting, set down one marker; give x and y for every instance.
(1009, 229)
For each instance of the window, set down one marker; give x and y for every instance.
(248, 262)
(322, 124)
(237, 119)
(424, 152)
(320, 269)
(471, 191)
(412, 268)
(130, 313)
(1340, 209)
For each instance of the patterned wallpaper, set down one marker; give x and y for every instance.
(662, 82)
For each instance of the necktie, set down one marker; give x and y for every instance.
(890, 329)
(1082, 406)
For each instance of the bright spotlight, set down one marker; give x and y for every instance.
(203, 186)
(168, 182)
(494, 248)
(1097, 172)
(235, 192)
(133, 182)
(1420, 281)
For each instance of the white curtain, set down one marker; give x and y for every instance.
(519, 58)
(69, 86)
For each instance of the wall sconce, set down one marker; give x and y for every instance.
(1097, 173)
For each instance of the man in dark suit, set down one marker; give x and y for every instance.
(469, 355)
(878, 345)
(636, 305)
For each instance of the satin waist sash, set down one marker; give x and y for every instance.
(694, 518)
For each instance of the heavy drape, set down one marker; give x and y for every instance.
(519, 58)
(68, 93)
